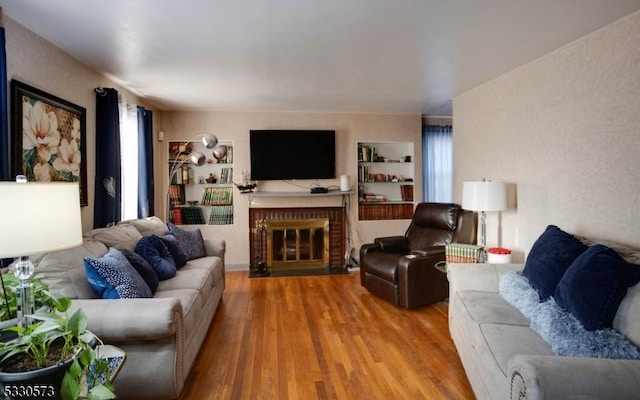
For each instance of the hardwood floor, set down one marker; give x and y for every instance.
(323, 337)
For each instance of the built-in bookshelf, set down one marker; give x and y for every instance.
(385, 180)
(201, 195)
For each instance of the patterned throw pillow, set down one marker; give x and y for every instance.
(190, 240)
(113, 277)
(154, 251)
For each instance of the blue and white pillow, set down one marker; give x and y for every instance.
(113, 277)
(190, 240)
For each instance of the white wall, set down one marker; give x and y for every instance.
(38, 63)
(564, 131)
(235, 126)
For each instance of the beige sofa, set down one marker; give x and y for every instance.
(505, 359)
(161, 335)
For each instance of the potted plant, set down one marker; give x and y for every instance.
(55, 355)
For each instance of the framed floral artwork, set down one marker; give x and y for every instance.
(49, 138)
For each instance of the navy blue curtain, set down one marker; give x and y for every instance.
(5, 174)
(145, 163)
(108, 195)
(437, 163)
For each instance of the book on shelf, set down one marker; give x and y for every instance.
(212, 196)
(221, 215)
(406, 192)
(192, 216)
(226, 175)
(176, 195)
(176, 216)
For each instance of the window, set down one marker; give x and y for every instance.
(437, 164)
(129, 156)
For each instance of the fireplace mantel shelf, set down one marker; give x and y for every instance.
(298, 194)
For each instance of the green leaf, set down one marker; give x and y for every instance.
(75, 370)
(101, 392)
(77, 323)
(70, 388)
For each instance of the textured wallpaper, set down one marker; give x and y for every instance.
(564, 132)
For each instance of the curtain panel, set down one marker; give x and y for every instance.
(5, 173)
(145, 163)
(437, 165)
(107, 209)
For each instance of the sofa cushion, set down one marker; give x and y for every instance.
(113, 277)
(148, 226)
(119, 236)
(488, 307)
(549, 258)
(594, 285)
(143, 268)
(190, 240)
(179, 257)
(64, 270)
(154, 251)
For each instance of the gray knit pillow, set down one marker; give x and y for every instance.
(190, 240)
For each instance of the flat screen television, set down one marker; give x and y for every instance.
(292, 154)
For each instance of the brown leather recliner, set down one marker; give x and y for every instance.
(401, 269)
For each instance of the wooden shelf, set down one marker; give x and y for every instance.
(297, 194)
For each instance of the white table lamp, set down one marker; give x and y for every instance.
(37, 218)
(484, 196)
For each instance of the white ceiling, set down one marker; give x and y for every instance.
(407, 56)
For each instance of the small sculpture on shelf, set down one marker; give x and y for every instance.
(245, 188)
(211, 178)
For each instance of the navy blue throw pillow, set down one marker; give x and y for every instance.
(143, 268)
(549, 258)
(174, 248)
(594, 285)
(154, 251)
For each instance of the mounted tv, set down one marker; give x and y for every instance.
(292, 154)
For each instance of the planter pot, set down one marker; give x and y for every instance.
(43, 383)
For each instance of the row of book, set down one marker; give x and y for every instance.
(219, 215)
(187, 216)
(176, 195)
(367, 154)
(213, 196)
(226, 175)
(384, 211)
(462, 253)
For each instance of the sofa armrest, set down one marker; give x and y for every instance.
(127, 320)
(556, 377)
(477, 276)
(215, 247)
(431, 251)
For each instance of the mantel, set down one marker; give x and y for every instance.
(298, 194)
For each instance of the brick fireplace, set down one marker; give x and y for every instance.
(301, 234)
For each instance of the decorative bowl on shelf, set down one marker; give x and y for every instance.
(193, 202)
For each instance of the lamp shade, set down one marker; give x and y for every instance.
(39, 217)
(484, 196)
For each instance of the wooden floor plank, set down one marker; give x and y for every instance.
(323, 337)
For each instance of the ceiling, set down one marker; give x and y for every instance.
(403, 56)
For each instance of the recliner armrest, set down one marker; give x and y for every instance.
(396, 244)
(431, 251)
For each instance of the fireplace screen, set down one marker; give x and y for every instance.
(297, 243)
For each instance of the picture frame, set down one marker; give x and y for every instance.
(49, 137)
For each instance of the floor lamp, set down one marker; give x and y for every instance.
(195, 158)
(484, 196)
(37, 218)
